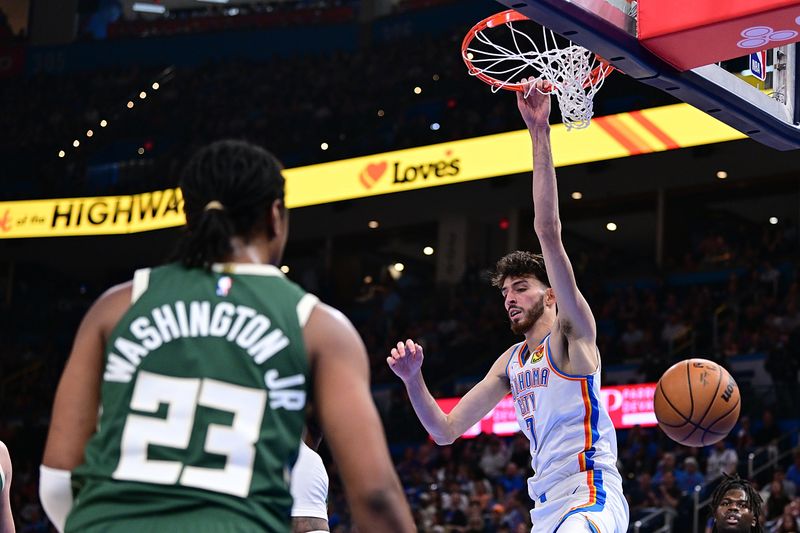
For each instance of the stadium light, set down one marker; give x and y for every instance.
(103, 123)
(417, 90)
(428, 250)
(155, 86)
(721, 174)
(773, 220)
(76, 143)
(324, 146)
(435, 126)
(140, 151)
(399, 267)
(89, 133)
(285, 269)
(372, 224)
(62, 153)
(611, 226)
(144, 7)
(130, 104)
(142, 95)
(380, 112)
(577, 195)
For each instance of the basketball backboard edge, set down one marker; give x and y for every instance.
(610, 32)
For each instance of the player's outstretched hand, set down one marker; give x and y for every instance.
(533, 105)
(406, 359)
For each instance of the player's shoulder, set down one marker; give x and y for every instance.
(502, 360)
(116, 297)
(511, 350)
(117, 292)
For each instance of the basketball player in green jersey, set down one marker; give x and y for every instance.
(6, 520)
(182, 403)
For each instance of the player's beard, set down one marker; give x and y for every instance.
(529, 318)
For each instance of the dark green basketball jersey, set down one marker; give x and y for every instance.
(202, 405)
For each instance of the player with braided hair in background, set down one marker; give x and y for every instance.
(736, 507)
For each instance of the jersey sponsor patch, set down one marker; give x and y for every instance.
(538, 354)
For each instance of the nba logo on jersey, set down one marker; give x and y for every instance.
(758, 64)
(224, 285)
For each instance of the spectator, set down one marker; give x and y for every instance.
(674, 330)
(769, 432)
(775, 500)
(642, 497)
(793, 473)
(788, 522)
(495, 457)
(721, 460)
(789, 487)
(667, 465)
(631, 339)
(744, 437)
(669, 492)
(512, 479)
(692, 476)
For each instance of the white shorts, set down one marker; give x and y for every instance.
(574, 505)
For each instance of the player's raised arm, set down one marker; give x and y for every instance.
(575, 322)
(351, 425)
(406, 362)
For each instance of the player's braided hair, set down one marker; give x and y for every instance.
(753, 498)
(520, 263)
(241, 181)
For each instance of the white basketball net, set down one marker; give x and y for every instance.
(568, 70)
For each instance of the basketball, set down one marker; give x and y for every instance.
(696, 402)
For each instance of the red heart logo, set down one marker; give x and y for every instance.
(372, 174)
(376, 170)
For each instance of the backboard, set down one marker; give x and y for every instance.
(768, 111)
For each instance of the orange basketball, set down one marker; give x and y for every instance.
(697, 402)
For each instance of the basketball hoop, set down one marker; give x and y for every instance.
(572, 72)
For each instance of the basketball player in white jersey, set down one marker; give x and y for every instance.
(6, 520)
(309, 486)
(553, 374)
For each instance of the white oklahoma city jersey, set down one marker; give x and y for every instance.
(567, 425)
(309, 486)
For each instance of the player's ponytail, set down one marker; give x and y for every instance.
(228, 189)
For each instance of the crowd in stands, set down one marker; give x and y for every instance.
(261, 15)
(358, 102)
(479, 485)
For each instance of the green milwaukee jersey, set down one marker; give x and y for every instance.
(202, 405)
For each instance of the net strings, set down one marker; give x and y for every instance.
(567, 70)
